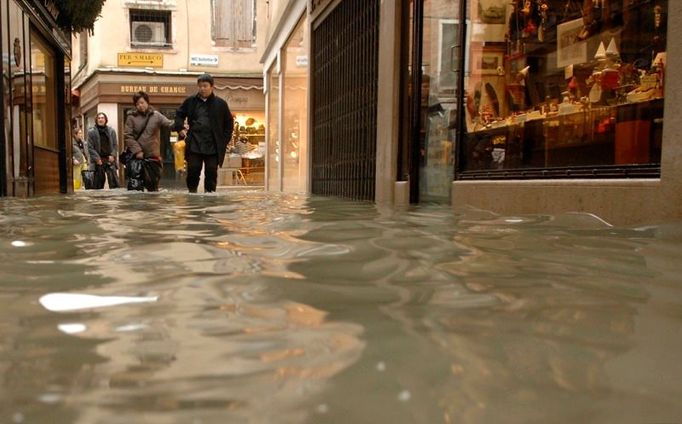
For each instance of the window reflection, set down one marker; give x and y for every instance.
(273, 129)
(43, 81)
(438, 112)
(295, 60)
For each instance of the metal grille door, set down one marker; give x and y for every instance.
(345, 58)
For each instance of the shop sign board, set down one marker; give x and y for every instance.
(51, 8)
(144, 60)
(203, 60)
(154, 89)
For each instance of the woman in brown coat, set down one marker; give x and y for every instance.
(141, 136)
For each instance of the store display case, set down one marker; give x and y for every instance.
(572, 83)
(248, 145)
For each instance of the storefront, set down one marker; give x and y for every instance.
(536, 89)
(106, 92)
(530, 106)
(287, 78)
(35, 111)
(518, 106)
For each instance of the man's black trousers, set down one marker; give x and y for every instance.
(194, 163)
(103, 172)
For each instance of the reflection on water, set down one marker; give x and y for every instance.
(249, 307)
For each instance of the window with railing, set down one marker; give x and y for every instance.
(150, 28)
(233, 23)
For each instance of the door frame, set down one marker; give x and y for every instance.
(409, 159)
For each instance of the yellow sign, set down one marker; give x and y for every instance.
(152, 60)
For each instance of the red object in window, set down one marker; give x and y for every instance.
(610, 79)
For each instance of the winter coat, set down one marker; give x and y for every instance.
(77, 153)
(94, 144)
(148, 142)
(219, 114)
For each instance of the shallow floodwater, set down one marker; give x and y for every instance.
(252, 307)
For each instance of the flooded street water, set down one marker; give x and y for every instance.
(252, 307)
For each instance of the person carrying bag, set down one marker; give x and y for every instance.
(142, 128)
(133, 167)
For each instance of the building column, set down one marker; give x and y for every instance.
(671, 155)
(388, 108)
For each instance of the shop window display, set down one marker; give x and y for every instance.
(295, 96)
(563, 84)
(246, 150)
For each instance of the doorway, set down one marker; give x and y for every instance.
(432, 67)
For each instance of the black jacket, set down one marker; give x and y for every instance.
(221, 121)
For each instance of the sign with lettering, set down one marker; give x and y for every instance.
(154, 89)
(242, 94)
(52, 8)
(143, 60)
(203, 60)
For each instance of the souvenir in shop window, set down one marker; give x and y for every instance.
(600, 64)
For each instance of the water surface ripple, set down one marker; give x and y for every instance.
(252, 307)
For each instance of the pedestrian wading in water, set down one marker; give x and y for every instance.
(141, 134)
(210, 128)
(103, 149)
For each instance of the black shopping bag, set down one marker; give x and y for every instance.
(88, 179)
(135, 174)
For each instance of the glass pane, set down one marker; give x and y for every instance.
(248, 142)
(564, 83)
(43, 80)
(19, 91)
(295, 60)
(6, 94)
(273, 130)
(438, 99)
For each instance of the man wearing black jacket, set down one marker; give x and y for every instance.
(210, 125)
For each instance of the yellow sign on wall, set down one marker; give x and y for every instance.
(143, 60)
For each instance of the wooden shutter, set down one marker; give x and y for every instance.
(223, 22)
(244, 22)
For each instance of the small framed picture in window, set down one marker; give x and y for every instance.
(489, 63)
(570, 50)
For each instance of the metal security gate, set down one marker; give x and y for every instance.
(345, 59)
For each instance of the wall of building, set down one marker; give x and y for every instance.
(191, 35)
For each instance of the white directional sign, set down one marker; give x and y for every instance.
(203, 60)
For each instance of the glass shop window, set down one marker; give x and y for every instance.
(43, 73)
(564, 85)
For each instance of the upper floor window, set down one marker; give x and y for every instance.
(234, 23)
(150, 28)
(83, 44)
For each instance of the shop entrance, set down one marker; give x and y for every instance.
(432, 68)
